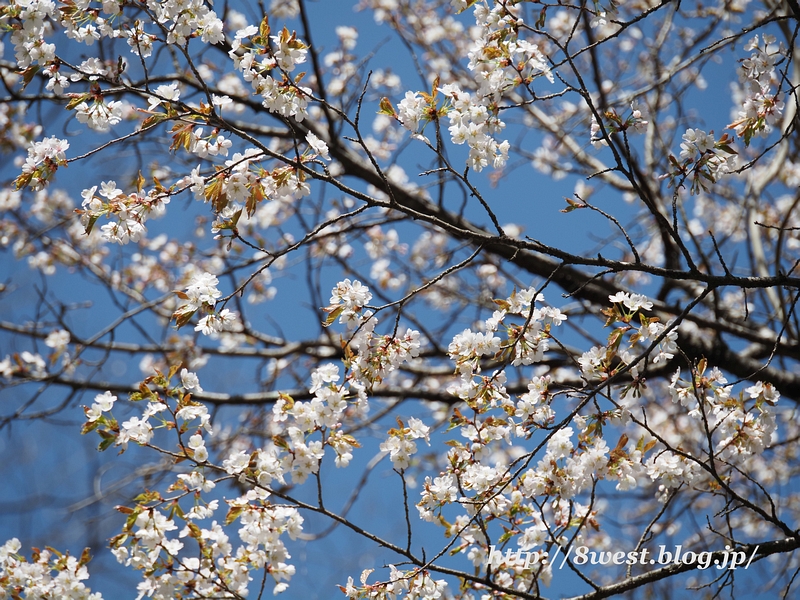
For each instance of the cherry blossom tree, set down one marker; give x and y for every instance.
(537, 261)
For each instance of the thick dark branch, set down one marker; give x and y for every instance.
(548, 262)
(761, 551)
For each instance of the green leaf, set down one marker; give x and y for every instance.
(152, 120)
(89, 426)
(386, 108)
(148, 496)
(106, 444)
(280, 442)
(233, 514)
(237, 215)
(129, 522)
(334, 314)
(194, 531)
(90, 224)
(77, 99)
(28, 75)
(175, 510)
(85, 557)
(182, 317)
(470, 3)
(263, 29)
(505, 537)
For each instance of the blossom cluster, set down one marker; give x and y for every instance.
(500, 61)
(130, 211)
(400, 444)
(202, 294)
(100, 115)
(605, 361)
(741, 425)
(380, 246)
(762, 106)
(371, 358)
(148, 541)
(44, 158)
(202, 146)
(181, 21)
(472, 123)
(523, 344)
(30, 47)
(347, 301)
(217, 569)
(376, 356)
(342, 62)
(415, 584)
(303, 419)
(243, 180)
(495, 417)
(636, 122)
(703, 158)
(257, 54)
(499, 58)
(49, 575)
(571, 465)
(25, 364)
